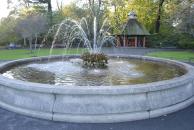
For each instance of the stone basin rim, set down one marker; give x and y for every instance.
(116, 89)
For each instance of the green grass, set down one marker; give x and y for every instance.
(176, 55)
(24, 53)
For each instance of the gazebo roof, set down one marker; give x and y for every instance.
(133, 27)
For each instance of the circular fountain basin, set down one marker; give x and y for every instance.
(97, 104)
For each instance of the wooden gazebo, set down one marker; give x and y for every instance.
(133, 34)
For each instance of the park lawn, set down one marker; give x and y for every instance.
(24, 53)
(176, 55)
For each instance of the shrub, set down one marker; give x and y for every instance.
(94, 60)
(163, 40)
(186, 41)
(179, 40)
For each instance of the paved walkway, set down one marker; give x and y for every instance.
(133, 51)
(181, 120)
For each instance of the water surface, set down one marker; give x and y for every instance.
(70, 72)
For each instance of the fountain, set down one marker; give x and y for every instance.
(128, 88)
(70, 31)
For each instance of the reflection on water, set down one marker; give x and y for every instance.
(119, 72)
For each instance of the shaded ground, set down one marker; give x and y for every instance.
(181, 120)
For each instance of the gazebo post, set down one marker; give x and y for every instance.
(136, 41)
(124, 41)
(144, 41)
(117, 43)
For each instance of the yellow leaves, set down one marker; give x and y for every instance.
(73, 11)
(30, 10)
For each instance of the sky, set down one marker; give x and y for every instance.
(4, 11)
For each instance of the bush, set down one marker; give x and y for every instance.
(186, 41)
(162, 40)
(170, 37)
(94, 60)
(178, 40)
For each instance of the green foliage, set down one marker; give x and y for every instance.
(181, 14)
(178, 40)
(72, 11)
(33, 10)
(186, 41)
(170, 37)
(7, 32)
(162, 40)
(144, 9)
(146, 12)
(8, 26)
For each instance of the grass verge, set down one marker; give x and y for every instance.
(24, 53)
(176, 55)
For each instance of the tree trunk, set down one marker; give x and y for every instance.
(50, 12)
(24, 42)
(157, 26)
(99, 3)
(30, 42)
(36, 41)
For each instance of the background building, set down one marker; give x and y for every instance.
(134, 33)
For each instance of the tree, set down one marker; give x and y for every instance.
(183, 16)
(72, 11)
(146, 12)
(49, 6)
(30, 27)
(7, 32)
(159, 13)
(32, 10)
(97, 9)
(116, 4)
(30, 3)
